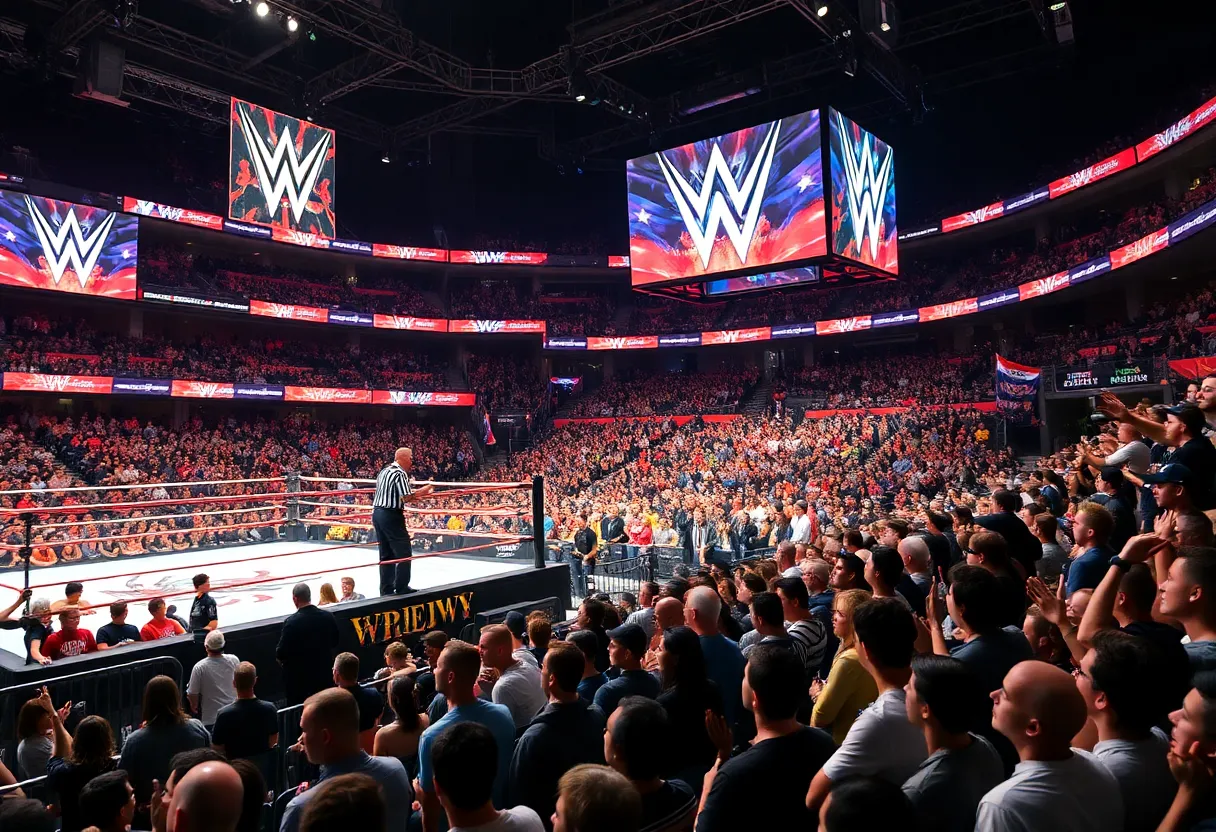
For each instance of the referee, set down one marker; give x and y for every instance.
(393, 491)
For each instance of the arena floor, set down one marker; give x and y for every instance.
(163, 575)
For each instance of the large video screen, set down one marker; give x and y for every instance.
(863, 195)
(749, 199)
(280, 171)
(765, 280)
(65, 247)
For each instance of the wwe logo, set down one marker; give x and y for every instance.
(865, 188)
(614, 343)
(54, 384)
(1047, 285)
(281, 171)
(205, 389)
(171, 213)
(706, 210)
(68, 244)
(488, 326)
(731, 336)
(1172, 134)
(280, 310)
(489, 256)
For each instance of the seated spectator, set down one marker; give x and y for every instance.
(849, 688)
(71, 639)
(211, 680)
(166, 730)
(782, 760)
(667, 805)
(161, 625)
(596, 799)
(400, 737)
(338, 800)
(369, 700)
(569, 731)
(946, 700)
(464, 758)
(35, 727)
(248, 726)
(330, 736)
(627, 647)
(1039, 710)
(76, 760)
(118, 632)
(860, 804)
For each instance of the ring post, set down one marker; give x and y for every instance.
(26, 551)
(538, 522)
(295, 530)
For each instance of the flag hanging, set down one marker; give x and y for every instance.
(1017, 391)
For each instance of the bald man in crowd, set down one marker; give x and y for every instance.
(668, 613)
(207, 799)
(1040, 710)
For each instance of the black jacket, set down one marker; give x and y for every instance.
(557, 739)
(612, 528)
(1024, 547)
(306, 650)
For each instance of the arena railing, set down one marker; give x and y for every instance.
(115, 693)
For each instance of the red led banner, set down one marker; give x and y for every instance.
(288, 311)
(327, 395)
(617, 261)
(854, 324)
(423, 399)
(969, 218)
(296, 237)
(1099, 170)
(396, 252)
(941, 311)
(1043, 286)
(39, 383)
(203, 390)
(623, 342)
(506, 258)
(160, 211)
(1146, 245)
(1177, 131)
(497, 327)
(735, 336)
(407, 322)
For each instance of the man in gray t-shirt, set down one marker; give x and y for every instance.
(506, 680)
(949, 785)
(210, 685)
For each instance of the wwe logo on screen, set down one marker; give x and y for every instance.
(866, 188)
(706, 209)
(280, 171)
(409, 397)
(69, 244)
(488, 326)
(54, 384)
(489, 256)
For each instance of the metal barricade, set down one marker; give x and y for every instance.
(116, 693)
(617, 576)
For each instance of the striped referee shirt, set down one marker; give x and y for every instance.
(392, 486)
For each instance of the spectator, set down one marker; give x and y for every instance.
(849, 573)
(689, 695)
(1188, 596)
(329, 736)
(253, 798)
(849, 688)
(166, 730)
(35, 729)
(306, 647)
(1192, 749)
(517, 625)
(506, 679)
(989, 550)
(118, 632)
(161, 625)
(593, 679)
(782, 759)
(204, 613)
(455, 677)
(106, 801)
(947, 702)
(1092, 526)
(348, 591)
(540, 634)
(768, 625)
(987, 648)
(248, 727)
(338, 800)
(860, 804)
(465, 760)
(211, 680)
(1039, 710)
(71, 639)
(1051, 566)
(76, 760)
(400, 737)
(209, 797)
(596, 799)
(667, 805)
(627, 647)
(326, 595)
(37, 631)
(806, 630)
(882, 742)
(1023, 546)
(369, 700)
(568, 732)
(723, 661)
(1120, 502)
(644, 617)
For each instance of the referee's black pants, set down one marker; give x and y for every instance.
(394, 543)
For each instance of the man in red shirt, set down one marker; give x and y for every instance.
(161, 625)
(70, 640)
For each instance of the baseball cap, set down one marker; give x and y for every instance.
(214, 641)
(1112, 475)
(516, 623)
(1174, 472)
(1190, 415)
(631, 637)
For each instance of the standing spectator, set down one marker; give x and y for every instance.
(509, 680)
(1023, 546)
(689, 695)
(849, 687)
(306, 647)
(247, 727)
(369, 700)
(1039, 710)
(988, 649)
(1188, 596)
(782, 760)
(627, 647)
(667, 805)
(569, 731)
(1092, 526)
(400, 737)
(1192, 749)
(1120, 503)
(209, 797)
(465, 763)
(211, 680)
(107, 803)
(166, 730)
(596, 799)
(455, 677)
(1051, 566)
(947, 702)
(593, 679)
(723, 660)
(644, 617)
(329, 736)
(339, 799)
(860, 804)
(586, 546)
(72, 639)
(34, 732)
(118, 632)
(517, 625)
(204, 614)
(805, 629)
(540, 634)
(75, 760)
(800, 525)
(768, 625)
(882, 742)
(72, 592)
(161, 625)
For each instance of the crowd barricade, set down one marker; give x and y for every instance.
(619, 575)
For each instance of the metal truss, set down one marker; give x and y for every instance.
(449, 117)
(76, 23)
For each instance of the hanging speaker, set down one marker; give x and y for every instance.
(99, 72)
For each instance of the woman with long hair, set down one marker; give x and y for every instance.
(166, 730)
(849, 686)
(327, 595)
(400, 737)
(34, 746)
(76, 760)
(687, 694)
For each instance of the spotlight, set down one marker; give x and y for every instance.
(386, 158)
(262, 9)
(312, 35)
(1055, 7)
(580, 98)
(292, 24)
(885, 26)
(822, 9)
